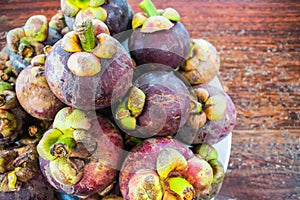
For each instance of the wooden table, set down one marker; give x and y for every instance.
(259, 45)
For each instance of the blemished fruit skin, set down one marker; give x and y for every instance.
(119, 16)
(213, 131)
(35, 95)
(144, 156)
(167, 47)
(89, 92)
(167, 104)
(101, 167)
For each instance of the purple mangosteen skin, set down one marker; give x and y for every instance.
(98, 173)
(35, 96)
(119, 16)
(167, 104)
(144, 156)
(35, 189)
(118, 20)
(91, 92)
(167, 47)
(213, 131)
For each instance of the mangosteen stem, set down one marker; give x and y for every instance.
(63, 147)
(85, 32)
(149, 8)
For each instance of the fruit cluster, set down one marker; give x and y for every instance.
(100, 102)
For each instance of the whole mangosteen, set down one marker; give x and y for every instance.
(158, 104)
(88, 69)
(164, 168)
(80, 154)
(212, 118)
(158, 37)
(116, 14)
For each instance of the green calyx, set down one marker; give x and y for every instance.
(169, 160)
(218, 171)
(36, 27)
(195, 107)
(145, 184)
(130, 108)
(54, 144)
(72, 7)
(154, 20)
(106, 48)
(65, 171)
(182, 188)
(136, 101)
(67, 120)
(60, 141)
(206, 151)
(215, 107)
(96, 3)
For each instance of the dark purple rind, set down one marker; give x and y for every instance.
(35, 189)
(92, 92)
(144, 156)
(35, 96)
(167, 47)
(102, 168)
(170, 96)
(213, 131)
(166, 107)
(119, 16)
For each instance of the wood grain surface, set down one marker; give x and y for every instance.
(259, 46)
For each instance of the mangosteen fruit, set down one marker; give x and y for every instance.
(157, 104)
(26, 42)
(212, 118)
(164, 168)
(116, 14)
(20, 177)
(33, 91)
(158, 37)
(202, 63)
(88, 69)
(80, 154)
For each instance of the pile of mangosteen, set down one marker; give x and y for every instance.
(100, 102)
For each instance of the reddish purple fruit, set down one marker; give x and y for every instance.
(88, 69)
(157, 105)
(81, 153)
(163, 168)
(212, 118)
(116, 14)
(158, 37)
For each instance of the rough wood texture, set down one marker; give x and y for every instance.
(259, 45)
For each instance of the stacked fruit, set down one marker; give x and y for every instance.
(92, 110)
